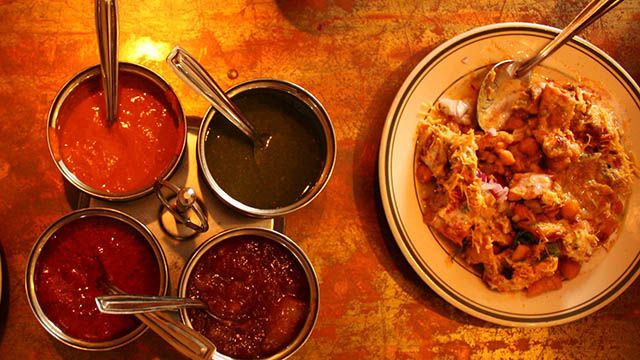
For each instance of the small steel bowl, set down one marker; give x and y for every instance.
(30, 285)
(294, 249)
(323, 122)
(90, 74)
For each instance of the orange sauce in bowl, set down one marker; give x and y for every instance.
(127, 156)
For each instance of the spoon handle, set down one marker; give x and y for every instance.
(107, 28)
(593, 11)
(189, 70)
(135, 304)
(186, 340)
(600, 12)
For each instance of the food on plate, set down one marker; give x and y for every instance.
(526, 205)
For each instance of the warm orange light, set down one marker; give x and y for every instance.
(145, 49)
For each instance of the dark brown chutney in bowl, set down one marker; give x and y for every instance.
(262, 286)
(286, 174)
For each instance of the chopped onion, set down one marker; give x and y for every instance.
(489, 184)
(459, 109)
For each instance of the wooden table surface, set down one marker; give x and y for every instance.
(353, 55)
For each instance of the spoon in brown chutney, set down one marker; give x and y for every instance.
(125, 304)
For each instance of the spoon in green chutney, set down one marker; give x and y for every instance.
(194, 74)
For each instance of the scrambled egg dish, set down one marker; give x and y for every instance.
(529, 204)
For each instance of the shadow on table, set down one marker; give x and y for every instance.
(367, 193)
(4, 294)
(316, 16)
(148, 346)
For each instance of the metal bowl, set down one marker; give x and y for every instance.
(87, 75)
(54, 330)
(323, 123)
(294, 249)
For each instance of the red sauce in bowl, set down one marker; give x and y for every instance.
(128, 156)
(73, 261)
(259, 287)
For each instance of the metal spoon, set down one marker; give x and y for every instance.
(508, 78)
(186, 340)
(189, 70)
(136, 304)
(107, 29)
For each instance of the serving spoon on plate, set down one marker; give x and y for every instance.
(508, 78)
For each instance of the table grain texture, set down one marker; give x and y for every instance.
(353, 55)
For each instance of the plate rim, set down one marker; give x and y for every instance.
(590, 306)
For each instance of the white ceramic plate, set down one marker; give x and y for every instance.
(601, 280)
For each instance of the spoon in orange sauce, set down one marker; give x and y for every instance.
(107, 29)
